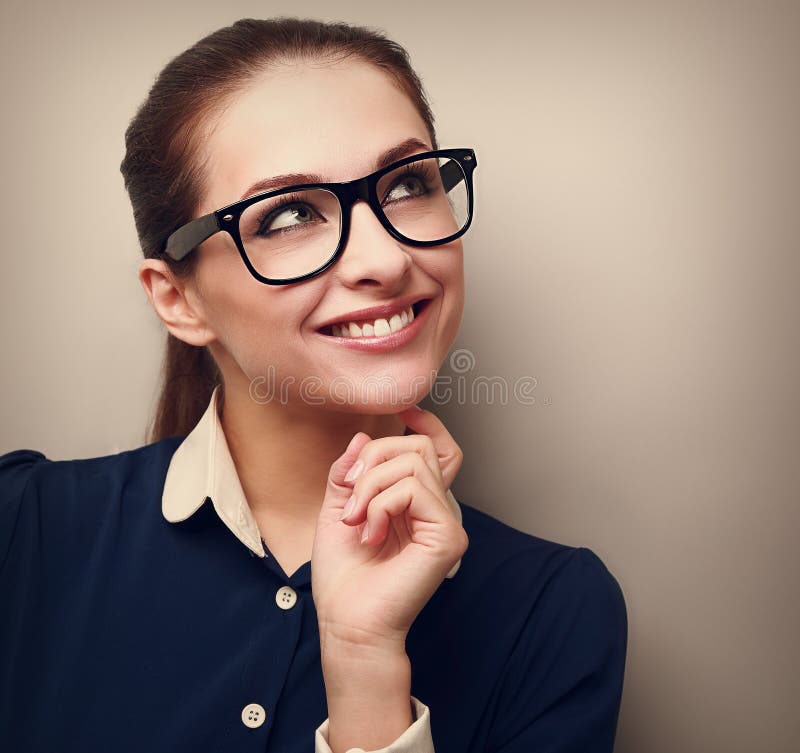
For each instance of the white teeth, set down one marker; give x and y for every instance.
(379, 328)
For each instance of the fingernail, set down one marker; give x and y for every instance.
(365, 534)
(354, 472)
(349, 507)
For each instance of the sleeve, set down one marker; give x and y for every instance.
(416, 739)
(16, 469)
(562, 686)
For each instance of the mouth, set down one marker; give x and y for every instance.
(379, 328)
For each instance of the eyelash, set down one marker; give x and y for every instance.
(412, 169)
(417, 171)
(287, 198)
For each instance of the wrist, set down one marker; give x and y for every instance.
(368, 700)
(364, 660)
(356, 645)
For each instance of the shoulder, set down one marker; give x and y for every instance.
(16, 468)
(20, 468)
(550, 627)
(544, 626)
(540, 572)
(41, 492)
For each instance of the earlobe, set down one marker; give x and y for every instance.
(181, 313)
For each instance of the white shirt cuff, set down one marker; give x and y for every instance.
(416, 739)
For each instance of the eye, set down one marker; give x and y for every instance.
(287, 216)
(409, 186)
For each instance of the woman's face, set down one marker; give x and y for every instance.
(337, 122)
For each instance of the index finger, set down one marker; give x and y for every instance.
(422, 421)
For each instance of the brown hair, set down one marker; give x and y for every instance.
(164, 174)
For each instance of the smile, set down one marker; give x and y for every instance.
(383, 333)
(375, 327)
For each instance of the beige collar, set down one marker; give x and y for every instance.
(202, 467)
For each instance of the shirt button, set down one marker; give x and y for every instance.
(286, 597)
(253, 715)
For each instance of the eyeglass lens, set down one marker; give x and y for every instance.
(294, 234)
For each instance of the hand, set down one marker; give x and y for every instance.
(370, 594)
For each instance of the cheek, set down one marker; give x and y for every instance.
(257, 325)
(236, 307)
(232, 297)
(445, 265)
(449, 271)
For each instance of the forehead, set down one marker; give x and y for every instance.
(333, 120)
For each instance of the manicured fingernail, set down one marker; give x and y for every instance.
(365, 534)
(354, 472)
(349, 507)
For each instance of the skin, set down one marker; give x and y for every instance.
(335, 121)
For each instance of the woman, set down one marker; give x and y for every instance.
(284, 562)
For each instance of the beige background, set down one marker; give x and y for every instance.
(635, 252)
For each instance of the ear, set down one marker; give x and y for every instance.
(175, 303)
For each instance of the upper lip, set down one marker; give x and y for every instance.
(374, 312)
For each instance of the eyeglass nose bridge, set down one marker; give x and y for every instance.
(356, 190)
(359, 190)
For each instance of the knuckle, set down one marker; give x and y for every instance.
(457, 459)
(428, 443)
(418, 462)
(411, 484)
(366, 489)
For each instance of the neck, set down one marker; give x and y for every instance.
(283, 452)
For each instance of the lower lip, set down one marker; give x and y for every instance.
(386, 343)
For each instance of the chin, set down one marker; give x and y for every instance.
(389, 392)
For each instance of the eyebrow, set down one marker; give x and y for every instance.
(403, 149)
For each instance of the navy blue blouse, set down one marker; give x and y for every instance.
(121, 631)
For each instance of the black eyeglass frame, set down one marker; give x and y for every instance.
(187, 237)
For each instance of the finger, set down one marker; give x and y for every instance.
(338, 490)
(385, 448)
(372, 482)
(449, 454)
(409, 496)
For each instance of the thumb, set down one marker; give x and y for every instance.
(338, 489)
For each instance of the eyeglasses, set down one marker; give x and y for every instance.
(297, 232)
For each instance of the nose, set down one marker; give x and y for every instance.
(371, 256)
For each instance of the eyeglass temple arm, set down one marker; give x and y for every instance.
(186, 238)
(451, 175)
